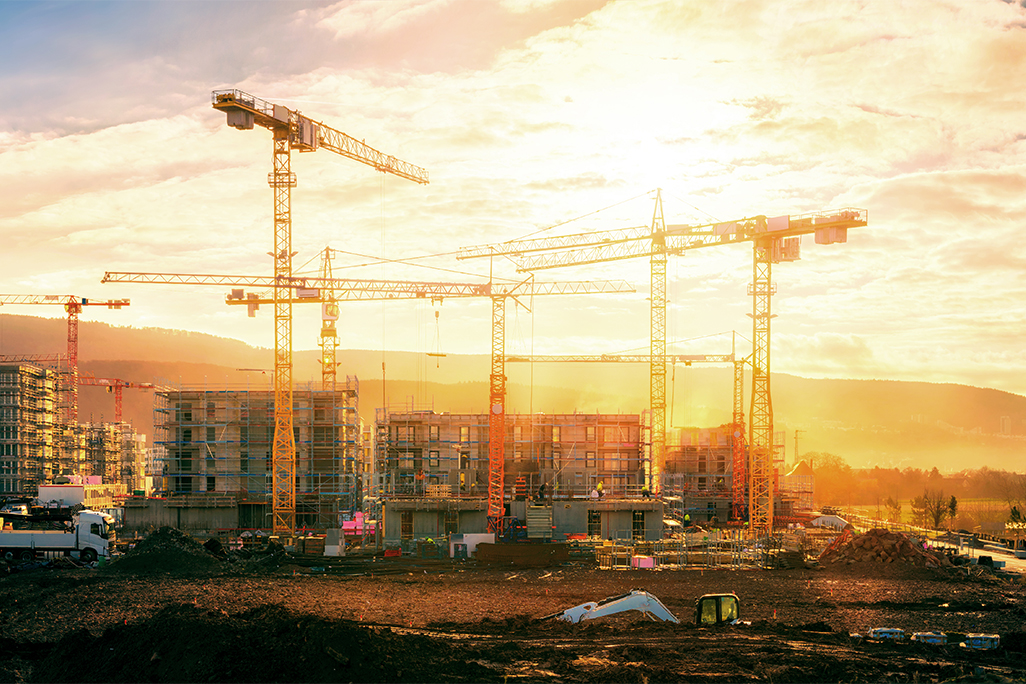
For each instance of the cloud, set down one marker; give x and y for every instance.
(363, 19)
(528, 114)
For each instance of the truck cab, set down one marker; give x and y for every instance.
(95, 534)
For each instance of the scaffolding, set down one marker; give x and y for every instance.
(699, 461)
(417, 451)
(27, 405)
(103, 450)
(220, 441)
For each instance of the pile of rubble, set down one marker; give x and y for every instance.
(882, 546)
(167, 549)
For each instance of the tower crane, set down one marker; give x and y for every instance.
(291, 130)
(774, 239)
(344, 289)
(115, 386)
(73, 306)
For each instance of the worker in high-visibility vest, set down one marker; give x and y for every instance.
(599, 488)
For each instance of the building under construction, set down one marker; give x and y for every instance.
(37, 444)
(698, 476)
(431, 469)
(220, 442)
(569, 453)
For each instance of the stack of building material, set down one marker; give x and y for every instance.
(883, 546)
(611, 556)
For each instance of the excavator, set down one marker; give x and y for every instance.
(710, 609)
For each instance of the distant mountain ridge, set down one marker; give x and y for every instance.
(868, 422)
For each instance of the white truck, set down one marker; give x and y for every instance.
(89, 536)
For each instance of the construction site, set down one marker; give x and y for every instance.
(434, 545)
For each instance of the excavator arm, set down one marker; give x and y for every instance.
(637, 599)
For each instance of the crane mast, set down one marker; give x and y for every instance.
(291, 130)
(774, 239)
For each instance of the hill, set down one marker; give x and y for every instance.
(867, 422)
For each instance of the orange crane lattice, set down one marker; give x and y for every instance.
(73, 305)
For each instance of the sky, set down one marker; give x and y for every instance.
(537, 117)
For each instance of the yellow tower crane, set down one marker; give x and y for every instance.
(291, 130)
(309, 289)
(774, 240)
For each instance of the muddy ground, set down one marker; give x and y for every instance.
(164, 617)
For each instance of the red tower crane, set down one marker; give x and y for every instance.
(73, 305)
(115, 387)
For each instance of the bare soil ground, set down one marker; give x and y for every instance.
(170, 616)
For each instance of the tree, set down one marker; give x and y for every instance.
(834, 479)
(893, 509)
(1016, 516)
(935, 507)
(919, 511)
(952, 508)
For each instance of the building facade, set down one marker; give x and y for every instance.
(569, 453)
(433, 474)
(220, 442)
(37, 445)
(28, 412)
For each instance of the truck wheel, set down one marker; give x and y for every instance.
(9, 555)
(87, 555)
(27, 555)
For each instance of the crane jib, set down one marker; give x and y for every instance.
(244, 111)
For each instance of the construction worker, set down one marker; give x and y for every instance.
(541, 492)
(598, 487)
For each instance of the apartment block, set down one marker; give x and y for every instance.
(28, 408)
(37, 446)
(434, 475)
(220, 441)
(570, 453)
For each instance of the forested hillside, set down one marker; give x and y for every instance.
(867, 422)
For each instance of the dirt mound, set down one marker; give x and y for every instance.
(183, 643)
(882, 546)
(166, 550)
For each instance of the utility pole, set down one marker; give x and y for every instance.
(796, 433)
